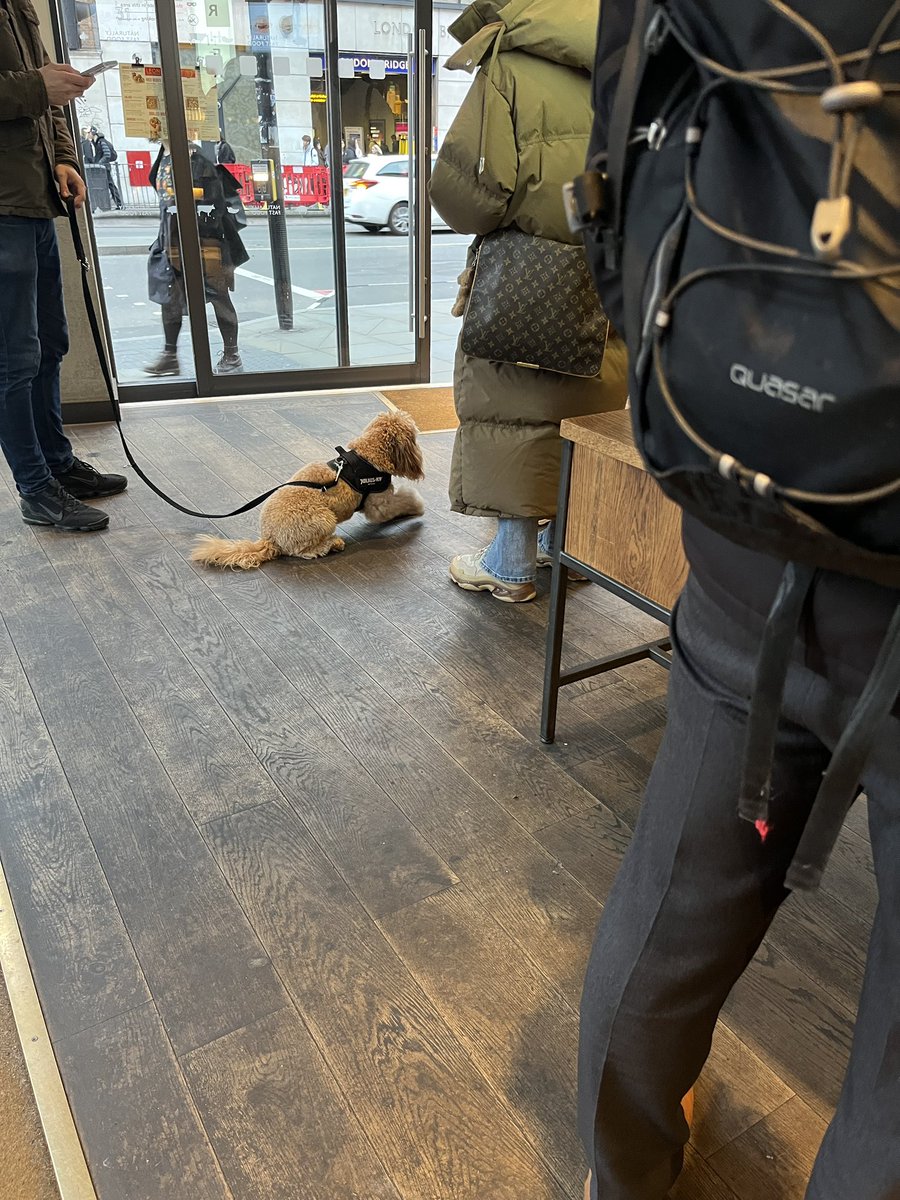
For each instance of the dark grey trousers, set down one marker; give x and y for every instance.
(695, 895)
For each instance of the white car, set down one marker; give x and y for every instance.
(376, 194)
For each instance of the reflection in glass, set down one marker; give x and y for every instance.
(256, 101)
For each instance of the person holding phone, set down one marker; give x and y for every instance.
(39, 177)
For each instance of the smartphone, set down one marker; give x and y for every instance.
(93, 72)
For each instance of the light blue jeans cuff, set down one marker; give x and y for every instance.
(512, 555)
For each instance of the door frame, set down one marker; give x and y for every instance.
(206, 384)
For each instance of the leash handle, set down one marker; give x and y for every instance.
(112, 392)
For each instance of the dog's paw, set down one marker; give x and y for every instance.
(401, 501)
(337, 545)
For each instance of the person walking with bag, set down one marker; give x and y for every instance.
(520, 135)
(219, 214)
(39, 177)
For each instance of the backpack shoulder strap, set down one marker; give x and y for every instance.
(622, 119)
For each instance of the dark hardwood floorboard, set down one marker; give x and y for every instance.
(774, 1157)
(517, 771)
(338, 423)
(277, 1119)
(735, 1091)
(197, 485)
(358, 823)
(516, 1026)
(465, 825)
(826, 940)
(698, 1181)
(590, 845)
(138, 506)
(233, 427)
(135, 1115)
(77, 944)
(804, 1032)
(203, 752)
(442, 1132)
(203, 963)
(285, 434)
(306, 812)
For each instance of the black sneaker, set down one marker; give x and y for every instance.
(230, 363)
(85, 482)
(55, 506)
(166, 364)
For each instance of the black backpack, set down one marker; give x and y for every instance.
(742, 218)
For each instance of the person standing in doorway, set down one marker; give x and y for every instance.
(104, 156)
(39, 176)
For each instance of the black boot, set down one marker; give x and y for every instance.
(54, 506)
(84, 482)
(166, 364)
(230, 363)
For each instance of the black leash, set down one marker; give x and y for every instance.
(117, 411)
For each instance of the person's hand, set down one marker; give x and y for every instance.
(71, 185)
(64, 83)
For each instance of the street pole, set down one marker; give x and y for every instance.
(274, 201)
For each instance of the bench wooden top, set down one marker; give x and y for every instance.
(607, 433)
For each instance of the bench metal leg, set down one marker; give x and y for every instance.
(558, 585)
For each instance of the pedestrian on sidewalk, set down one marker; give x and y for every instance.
(533, 72)
(309, 155)
(224, 152)
(40, 175)
(105, 155)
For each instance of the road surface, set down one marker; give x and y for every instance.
(377, 271)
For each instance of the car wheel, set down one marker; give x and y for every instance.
(373, 228)
(398, 221)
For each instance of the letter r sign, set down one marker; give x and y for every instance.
(218, 14)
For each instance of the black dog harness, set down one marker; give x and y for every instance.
(358, 473)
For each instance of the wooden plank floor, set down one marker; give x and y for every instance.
(307, 903)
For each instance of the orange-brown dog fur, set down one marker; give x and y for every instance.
(301, 522)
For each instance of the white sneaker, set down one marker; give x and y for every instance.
(467, 571)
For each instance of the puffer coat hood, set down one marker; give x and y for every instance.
(521, 134)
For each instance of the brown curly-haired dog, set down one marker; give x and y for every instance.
(301, 522)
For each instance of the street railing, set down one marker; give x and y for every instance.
(302, 188)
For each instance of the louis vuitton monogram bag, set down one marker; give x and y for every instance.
(533, 304)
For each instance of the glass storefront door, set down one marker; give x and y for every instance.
(275, 229)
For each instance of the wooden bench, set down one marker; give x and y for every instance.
(615, 526)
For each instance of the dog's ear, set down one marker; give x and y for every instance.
(405, 450)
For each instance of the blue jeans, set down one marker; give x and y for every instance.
(512, 555)
(33, 339)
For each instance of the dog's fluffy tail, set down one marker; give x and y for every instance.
(240, 556)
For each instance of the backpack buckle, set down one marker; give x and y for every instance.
(586, 201)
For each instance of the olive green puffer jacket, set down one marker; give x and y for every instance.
(528, 117)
